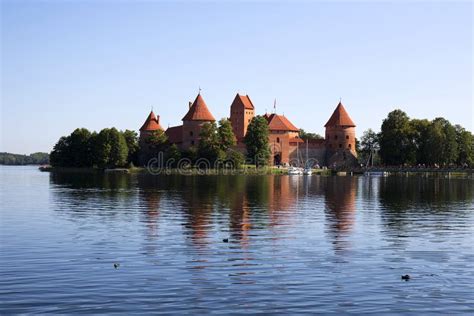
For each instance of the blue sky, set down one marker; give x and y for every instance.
(99, 64)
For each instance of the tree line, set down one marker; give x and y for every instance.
(16, 159)
(405, 141)
(111, 148)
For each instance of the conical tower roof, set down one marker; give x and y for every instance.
(152, 123)
(340, 117)
(199, 111)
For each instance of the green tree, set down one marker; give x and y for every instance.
(440, 143)
(465, 141)
(209, 146)
(396, 142)
(157, 140)
(226, 135)
(73, 150)
(450, 145)
(432, 151)
(173, 155)
(235, 157)
(308, 136)
(79, 149)
(59, 156)
(131, 138)
(119, 150)
(191, 153)
(369, 147)
(256, 141)
(101, 148)
(418, 136)
(110, 149)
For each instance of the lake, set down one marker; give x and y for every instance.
(296, 244)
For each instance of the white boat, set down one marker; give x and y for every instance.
(308, 171)
(376, 173)
(294, 171)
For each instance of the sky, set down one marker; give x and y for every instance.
(98, 64)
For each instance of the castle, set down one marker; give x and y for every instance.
(336, 149)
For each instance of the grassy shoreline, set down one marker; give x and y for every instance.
(251, 170)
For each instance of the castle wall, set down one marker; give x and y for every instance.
(316, 153)
(191, 130)
(279, 146)
(339, 138)
(340, 158)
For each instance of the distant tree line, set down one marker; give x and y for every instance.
(309, 136)
(32, 159)
(109, 148)
(405, 141)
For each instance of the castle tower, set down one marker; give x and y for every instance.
(241, 113)
(340, 134)
(197, 115)
(152, 123)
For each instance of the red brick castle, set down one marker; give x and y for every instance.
(337, 149)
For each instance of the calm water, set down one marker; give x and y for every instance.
(296, 244)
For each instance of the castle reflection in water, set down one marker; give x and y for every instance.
(205, 209)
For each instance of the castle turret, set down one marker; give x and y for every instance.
(242, 111)
(197, 115)
(152, 124)
(340, 134)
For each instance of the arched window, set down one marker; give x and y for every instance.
(347, 136)
(278, 139)
(349, 146)
(340, 145)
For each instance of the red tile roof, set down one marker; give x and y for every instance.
(280, 123)
(198, 111)
(175, 134)
(152, 123)
(243, 101)
(340, 117)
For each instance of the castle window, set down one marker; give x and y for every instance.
(191, 133)
(349, 146)
(340, 145)
(278, 139)
(347, 137)
(335, 136)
